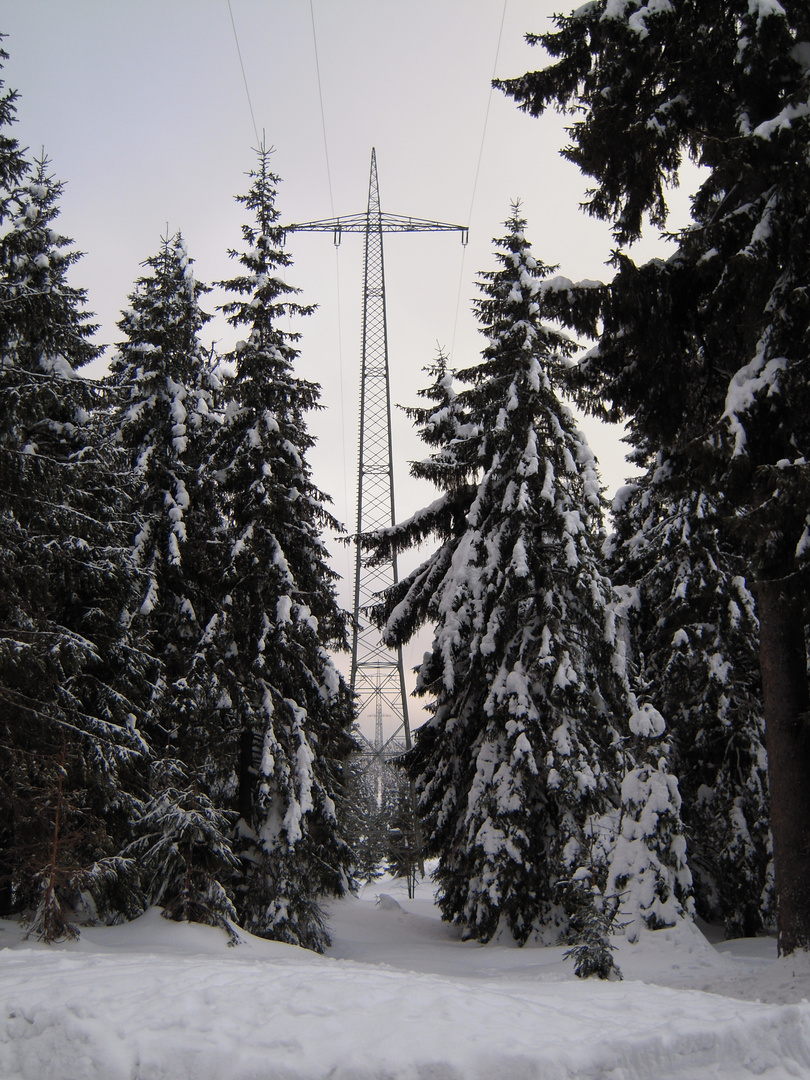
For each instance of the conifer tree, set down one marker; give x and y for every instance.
(694, 622)
(164, 388)
(290, 705)
(521, 754)
(365, 821)
(402, 840)
(13, 164)
(728, 84)
(649, 882)
(379, 820)
(184, 851)
(71, 675)
(12, 167)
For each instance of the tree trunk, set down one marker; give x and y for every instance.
(783, 661)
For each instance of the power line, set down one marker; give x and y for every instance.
(486, 115)
(323, 115)
(337, 257)
(478, 171)
(259, 142)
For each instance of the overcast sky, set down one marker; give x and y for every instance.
(142, 107)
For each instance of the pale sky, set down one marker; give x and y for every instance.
(142, 107)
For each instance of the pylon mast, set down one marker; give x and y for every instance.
(377, 673)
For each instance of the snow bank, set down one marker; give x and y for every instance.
(164, 1001)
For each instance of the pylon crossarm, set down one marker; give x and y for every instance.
(361, 223)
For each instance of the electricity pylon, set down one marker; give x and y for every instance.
(377, 673)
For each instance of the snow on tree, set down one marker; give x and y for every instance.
(446, 425)
(164, 392)
(649, 881)
(289, 703)
(697, 634)
(707, 350)
(184, 853)
(72, 677)
(164, 388)
(525, 672)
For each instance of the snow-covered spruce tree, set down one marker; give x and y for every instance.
(164, 386)
(71, 677)
(649, 877)
(289, 703)
(184, 851)
(444, 424)
(522, 752)
(729, 84)
(697, 633)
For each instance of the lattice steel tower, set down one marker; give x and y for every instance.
(377, 674)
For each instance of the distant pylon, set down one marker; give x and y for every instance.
(377, 673)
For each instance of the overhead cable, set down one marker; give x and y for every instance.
(337, 257)
(477, 171)
(259, 142)
(323, 115)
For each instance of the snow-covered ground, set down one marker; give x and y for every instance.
(399, 997)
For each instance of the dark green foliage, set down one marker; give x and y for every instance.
(13, 165)
(61, 872)
(163, 387)
(707, 352)
(402, 831)
(288, 702)
(726, 84)
(365, 820)
(166, 603)
(593, 952)
(184, 853)
(378, 818)
(72, 678)
(693, 617)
